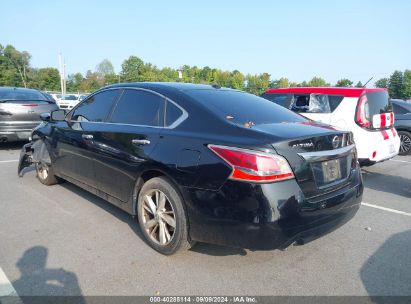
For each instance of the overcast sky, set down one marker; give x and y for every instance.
(294, 39)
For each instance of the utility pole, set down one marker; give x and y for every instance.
(61, 75)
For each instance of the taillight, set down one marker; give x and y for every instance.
(363, 112)
(254, 166)
(30, 105)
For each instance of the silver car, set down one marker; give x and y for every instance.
(20, 111)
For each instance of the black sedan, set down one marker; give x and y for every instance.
(202, 163)
(402, 110)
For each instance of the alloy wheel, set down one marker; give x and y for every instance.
(405, 143)
(158, 217)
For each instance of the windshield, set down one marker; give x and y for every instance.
(20, 94)
(243, 108)
(378, 103)
(70, 97)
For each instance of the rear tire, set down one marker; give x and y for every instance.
(405, 146)
(162, 217)
(45, 174)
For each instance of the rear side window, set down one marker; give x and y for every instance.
(243, 108)
(139, 107)
(172, 113)
(315, 103)
(280, 99)
(96, 108)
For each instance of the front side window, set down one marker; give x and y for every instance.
(96, 108)
(139, 107)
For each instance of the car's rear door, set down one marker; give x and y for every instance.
(124, 144)
(75, 139)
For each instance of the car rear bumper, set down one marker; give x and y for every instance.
(378, 146)
(268, 216)
(16, 131)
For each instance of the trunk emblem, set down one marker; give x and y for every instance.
(336, 142)
(304, 145)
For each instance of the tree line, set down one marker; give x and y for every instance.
(16, 71)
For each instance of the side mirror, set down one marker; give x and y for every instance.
(58, 115)
(45, 116)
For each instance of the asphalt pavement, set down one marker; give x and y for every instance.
(61, 240)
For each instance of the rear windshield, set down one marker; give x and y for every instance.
(16, 94)
(243, 108)
(378, 103)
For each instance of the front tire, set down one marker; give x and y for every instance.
(405, 146)
(45, 174)
(162, 217)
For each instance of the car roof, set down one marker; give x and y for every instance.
(347, 92)
(176, 86)
(18, 89)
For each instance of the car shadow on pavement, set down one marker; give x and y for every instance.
(387, 271)
(37, 281)
(13, 145)
(397, 185)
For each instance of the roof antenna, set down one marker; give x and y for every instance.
(367, 82)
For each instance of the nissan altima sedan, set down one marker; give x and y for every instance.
(202, 163)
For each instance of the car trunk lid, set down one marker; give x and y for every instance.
(320, 156)
(24, 110)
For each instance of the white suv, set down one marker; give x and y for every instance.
(366, 112)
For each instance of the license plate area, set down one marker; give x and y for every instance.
(331, 172)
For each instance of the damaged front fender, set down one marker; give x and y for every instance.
(31, 153)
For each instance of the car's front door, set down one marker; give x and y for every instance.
(124, 144)
(75, 145)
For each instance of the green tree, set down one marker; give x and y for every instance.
(47, 79)
(382, 83)
(344, 83)
(406, 91)
(280, 83)
(19, 60)
(395, 87)
(359, 84)
(131, 69)
(257, 84)
(237, 80)
(317, 82)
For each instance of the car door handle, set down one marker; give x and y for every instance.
(87, 136)
(140, 141)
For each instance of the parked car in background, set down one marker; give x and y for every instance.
(20, 111)
(68, 101)
(82, 97)
(55, 96)
(402, 110)
(48, 96)
(202, 163)
(366, 112)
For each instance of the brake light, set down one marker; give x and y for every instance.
(254, 166)
(363, 112)
(30, 105)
